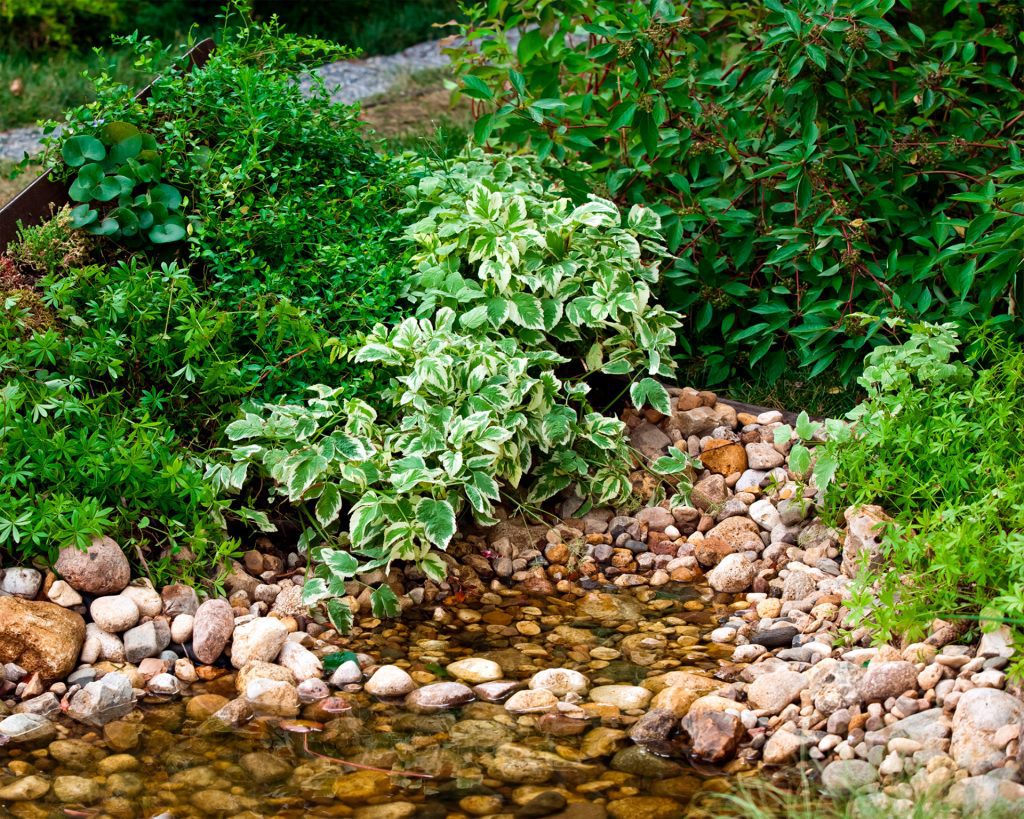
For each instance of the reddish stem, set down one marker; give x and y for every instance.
(410, 774)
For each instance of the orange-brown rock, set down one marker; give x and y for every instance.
(43, 638)
(710, 551)
(724, 457)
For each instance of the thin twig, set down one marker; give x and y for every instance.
(308, 750)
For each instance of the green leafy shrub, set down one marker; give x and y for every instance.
(292, 215)
(938, 445)
(468, 415)
(518, 260)
(808, 159)
(79, 455)
(508, 274)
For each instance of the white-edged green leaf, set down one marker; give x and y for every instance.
(328, 506)
(648, 392)
(384, 602)
(341, 563)
(438, 519)
(340, 615)
(313, 591)
(251, 426)
(434, 567)
(526, 311)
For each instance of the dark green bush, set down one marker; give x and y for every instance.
(808, 159)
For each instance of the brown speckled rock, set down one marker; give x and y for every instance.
(42, 638)
(100, 569)
(214, 621)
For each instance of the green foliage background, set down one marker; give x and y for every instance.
(808, 159)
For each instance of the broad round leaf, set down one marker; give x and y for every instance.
(166, 195)
(124, 139)
(78, 150)
(173, 230)
(83, 216)
(108, 189)
(108, 227)
(127, 219)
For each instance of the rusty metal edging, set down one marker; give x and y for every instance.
(33, 205)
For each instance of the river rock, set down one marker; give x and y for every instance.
(77, 789)
(100, 569)
(62, 594)
(179, 599)
(212, 625)
(979, 714)
(531, 701)
(723, 457)
(709, 492)
(440, 696)
(25, 789)
(609, 608)
(182, 628)
(28, 728)
(528, 766)
(142, 593)
(103, 700)
(560, 681)
(146, 640)
(115, 613)
(22, 582)
(347, 673)
(645, 807)
(42, 638)
(786, 746)
(764, 456)
(774, 691)
(733, 574)
(475, 670)
(986, 797)
(265, 768)
(623, 697)
(302, 662)
(846, 776)
(272, 698)
(863, 544)
(259, 639)
(887, 679)
(101, 645)
(834, 685)
(714, 731)
(924, 727)
(740, 532)
(389, 681)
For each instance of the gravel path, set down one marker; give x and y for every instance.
(349, 81)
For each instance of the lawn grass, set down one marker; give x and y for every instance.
(43, 86)
(417, 107)
(9, 188)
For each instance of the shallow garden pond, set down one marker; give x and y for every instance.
(431, 758)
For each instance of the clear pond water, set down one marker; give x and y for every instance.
(477, 760)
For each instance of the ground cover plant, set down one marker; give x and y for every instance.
(808, 160)
(229, 228)
(937, 443)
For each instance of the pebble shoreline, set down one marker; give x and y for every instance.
(936, 718)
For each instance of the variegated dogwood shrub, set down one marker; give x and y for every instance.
(519, 297)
